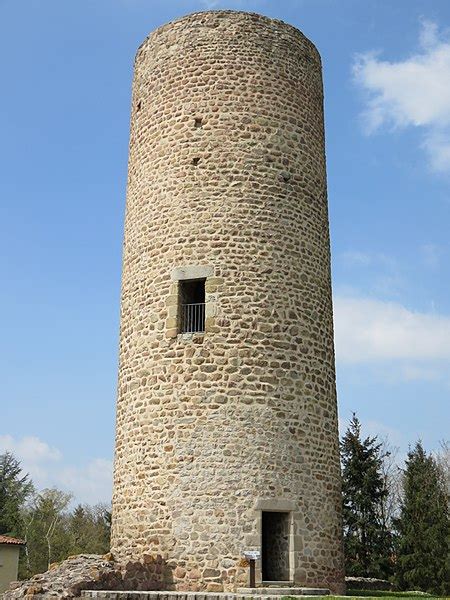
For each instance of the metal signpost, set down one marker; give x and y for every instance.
(252, 556)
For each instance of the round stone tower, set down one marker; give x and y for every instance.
(227, 436)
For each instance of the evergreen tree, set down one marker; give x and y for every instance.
(367, 541)
(423, 526)
(15, 488)
(89, 528)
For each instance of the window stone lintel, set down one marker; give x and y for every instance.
(192, 272)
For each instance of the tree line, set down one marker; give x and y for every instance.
(45, 520)
(395, 519)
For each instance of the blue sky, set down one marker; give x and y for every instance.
(64, 121)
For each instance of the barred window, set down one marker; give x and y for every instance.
(192, 306)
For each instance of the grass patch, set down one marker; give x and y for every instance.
(387, 594)
(372, 595)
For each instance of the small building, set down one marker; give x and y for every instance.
(9, 560)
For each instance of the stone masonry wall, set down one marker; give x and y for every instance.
(227, 182)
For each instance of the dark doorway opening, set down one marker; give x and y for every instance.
(275, 546)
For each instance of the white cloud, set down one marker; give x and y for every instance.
(430, 254)
(210, 4)
(364, 259)
(29, 449)
(392, 439)
(90, 482)
(414, 92)
(372, 428)
(382, 272)
(420, 373)
(369, 331)
(376, 428)
(356, 258)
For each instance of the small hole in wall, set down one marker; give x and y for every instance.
(195, 161)
(139, 106)
(198, 122)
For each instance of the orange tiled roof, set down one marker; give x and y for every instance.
(6, 539)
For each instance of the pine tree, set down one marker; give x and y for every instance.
(367, 542)
(15, 488)
(423, 526)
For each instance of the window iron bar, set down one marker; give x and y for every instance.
(193, 318)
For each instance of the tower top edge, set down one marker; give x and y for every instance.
(210, 15)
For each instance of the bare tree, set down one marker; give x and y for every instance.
(48, 537)
(442, 458)
(392, 475)
(28, 519)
